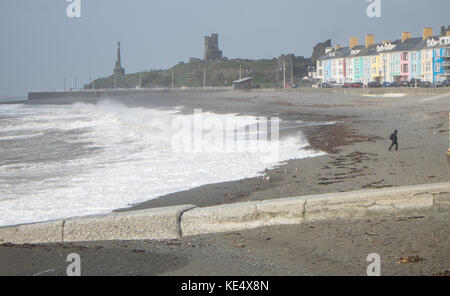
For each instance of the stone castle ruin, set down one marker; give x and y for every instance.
(212, 51)
(444, 30)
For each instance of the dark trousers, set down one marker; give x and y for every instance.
(394, 144)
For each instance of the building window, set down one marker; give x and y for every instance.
(405, 56)
(405, 68)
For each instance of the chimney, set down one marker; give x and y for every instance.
(406, 36)
(370, 40)
(354, 42)
(427, 32)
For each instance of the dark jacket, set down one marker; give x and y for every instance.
(393, 138)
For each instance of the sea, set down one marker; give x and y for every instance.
(68, 160)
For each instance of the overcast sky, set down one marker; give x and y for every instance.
(40, 45)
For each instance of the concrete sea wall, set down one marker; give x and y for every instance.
(88, 94)
(93, 94)
(187, 220)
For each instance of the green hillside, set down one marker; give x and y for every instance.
(266, 73)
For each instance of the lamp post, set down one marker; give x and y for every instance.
(204, 77)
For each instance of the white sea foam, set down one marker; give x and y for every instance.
(126, 158)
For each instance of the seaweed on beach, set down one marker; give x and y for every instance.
(409, 259)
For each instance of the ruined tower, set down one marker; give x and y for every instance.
(118, 70)
(212, 51)
(444, 31)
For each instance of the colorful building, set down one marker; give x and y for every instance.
(426, 58)
(441, 60)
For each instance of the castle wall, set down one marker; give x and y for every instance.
(212, 51)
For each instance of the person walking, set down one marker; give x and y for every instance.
(394, 139)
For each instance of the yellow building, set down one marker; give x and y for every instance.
(429, 42)
(376, 68)
(386, 60)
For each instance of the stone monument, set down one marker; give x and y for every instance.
(118, 70)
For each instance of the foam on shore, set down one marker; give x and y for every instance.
(61, 161)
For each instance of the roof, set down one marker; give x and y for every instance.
(443, 45)
(407, 45)
(412, 44)
(336, 54)
(243, 80)
(369, 51)
(424, 43)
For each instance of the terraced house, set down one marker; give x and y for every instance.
(441, 59)
(426, 58)
(388, 60)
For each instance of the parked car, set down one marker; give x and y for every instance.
(444, 83)
(386, 84)
(404, 83)
(414, 82)
(356, 85)
(326, 85)
(425, 84)
(346, 85)
(335, 84)
(396, 84)
(374, 84)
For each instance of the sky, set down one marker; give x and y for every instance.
(40, 45)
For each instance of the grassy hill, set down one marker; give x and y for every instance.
(266, 73)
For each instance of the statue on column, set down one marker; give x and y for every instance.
(118, 70)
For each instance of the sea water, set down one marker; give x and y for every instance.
(62, 161)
